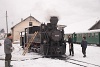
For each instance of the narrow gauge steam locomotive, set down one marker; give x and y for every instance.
(49, 40)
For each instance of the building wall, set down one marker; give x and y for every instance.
(21, 27)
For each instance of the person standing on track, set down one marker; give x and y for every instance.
(71, 50)
(8, 50)
(84, 46)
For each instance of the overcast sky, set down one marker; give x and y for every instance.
(68, 11)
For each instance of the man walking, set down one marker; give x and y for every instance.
(70, 41)
(84, 46)
(8, 50)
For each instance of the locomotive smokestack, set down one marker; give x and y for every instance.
(54, 20)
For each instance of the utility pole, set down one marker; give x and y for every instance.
(6, 22)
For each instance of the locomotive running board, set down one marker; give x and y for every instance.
(29, 43)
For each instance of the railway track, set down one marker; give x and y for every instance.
(78, 62)
(85, 62)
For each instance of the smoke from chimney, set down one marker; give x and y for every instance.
(51, 13)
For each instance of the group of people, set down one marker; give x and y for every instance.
(71, 47)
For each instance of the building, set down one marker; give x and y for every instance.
(18, 28)
(95, 26)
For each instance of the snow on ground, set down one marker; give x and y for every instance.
(92, 59)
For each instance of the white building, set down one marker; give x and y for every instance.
(29, 21)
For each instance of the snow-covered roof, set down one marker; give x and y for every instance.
(81, 26)
(60, 27)
(89, 31)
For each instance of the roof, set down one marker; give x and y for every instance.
(89, 31)
(93, 27)
(81, 26)
(24, 20)
(60, 27)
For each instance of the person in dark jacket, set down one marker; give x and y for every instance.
(8, 50)
(71, 50)
(84, 46)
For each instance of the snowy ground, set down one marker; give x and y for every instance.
(92, 59)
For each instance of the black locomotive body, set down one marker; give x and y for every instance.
(50, 40)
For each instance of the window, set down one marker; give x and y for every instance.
(96, 35)
(83, 35)
(88, 34)
(30, 23)
(79, 35)
(92, 34)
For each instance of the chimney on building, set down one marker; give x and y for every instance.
(21, 19)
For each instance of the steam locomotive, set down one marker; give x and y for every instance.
(49, 40)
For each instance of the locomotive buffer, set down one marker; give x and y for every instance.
(29, 43)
